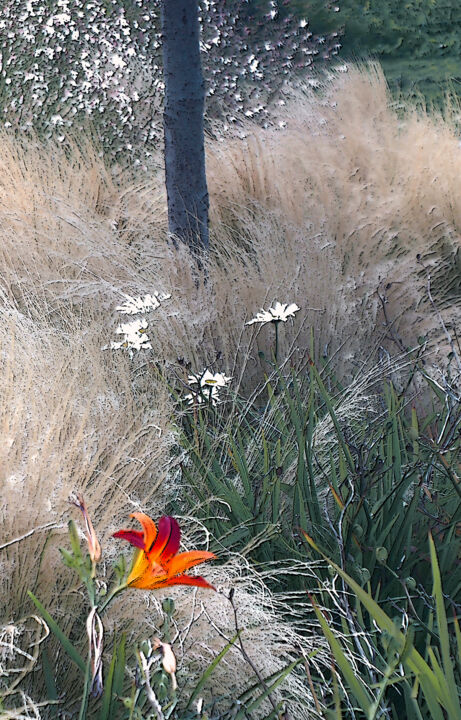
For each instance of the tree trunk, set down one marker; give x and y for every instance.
(186, 186)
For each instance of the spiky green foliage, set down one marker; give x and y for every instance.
(363, 475)
(406, 681)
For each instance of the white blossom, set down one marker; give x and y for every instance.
(132, 328)
(62, 18)
(208, 385)
(279, 313)
(134, 336)
(105, 65)
(144, 304)
(117, 61)
(209, 379)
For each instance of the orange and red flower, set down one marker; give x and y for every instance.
(158, 563)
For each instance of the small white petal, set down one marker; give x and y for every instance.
(280, 312)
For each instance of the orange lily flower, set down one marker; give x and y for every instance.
(158, 563)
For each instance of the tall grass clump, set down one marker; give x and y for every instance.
(351, 210)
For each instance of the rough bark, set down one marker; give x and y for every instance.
(186, 186)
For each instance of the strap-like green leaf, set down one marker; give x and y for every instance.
(451, 702)
(210, 669)
(56, 630)
(364, 699)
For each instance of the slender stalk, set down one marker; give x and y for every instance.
(276, 323)
(250, 662)
(86, 684)
(111, 596)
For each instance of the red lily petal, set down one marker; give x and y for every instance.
(134, 537)
(197, 580)
(155, 582)
(186, 560)
(149, 528)
(140, 566)
(167, 543)
(146, 576)
(156, 563)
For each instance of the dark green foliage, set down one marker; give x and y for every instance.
(367, 488)
(418, 42)
(391, 676)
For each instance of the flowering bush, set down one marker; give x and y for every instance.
(70, 64)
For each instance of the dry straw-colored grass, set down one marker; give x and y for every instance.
(325, 212)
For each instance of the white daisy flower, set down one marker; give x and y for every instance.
(144, 304)
(279, 313)
(132, 329)
(208, 387)
(212, 395)
(208, 379)
(135, 336)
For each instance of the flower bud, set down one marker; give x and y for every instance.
(94, 548)
(168, 606)
(146, 648)
(168, 659)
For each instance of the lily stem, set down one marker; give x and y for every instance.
(111, 596)
(86, 687)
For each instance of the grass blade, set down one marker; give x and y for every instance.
(364, 699)
(56, 630)
(452, 702)
(210, 670)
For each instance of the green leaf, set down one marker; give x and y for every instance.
(56, 630)
(51, 689)
(119, 672)
(451, 701)
(413, 661)
(75, 541)
(364, 698)
(247, 710)
(210, 670)
(104, 712)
